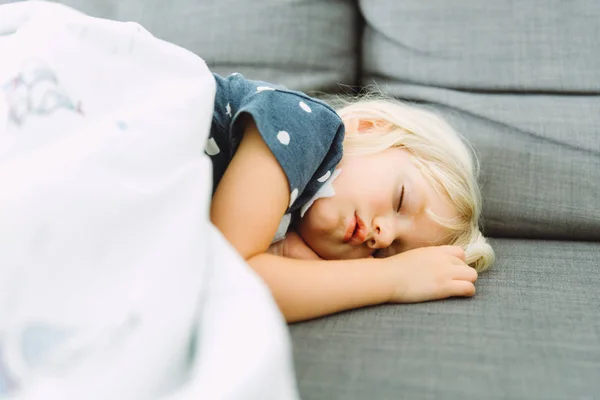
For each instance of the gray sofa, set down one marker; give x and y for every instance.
(521, 80)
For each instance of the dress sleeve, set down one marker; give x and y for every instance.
(304, 134)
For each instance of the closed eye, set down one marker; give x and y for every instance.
(401, 199)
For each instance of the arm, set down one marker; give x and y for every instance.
(252, 196)
(311, 288)
(305, 289)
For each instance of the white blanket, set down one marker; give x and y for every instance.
(113, 283)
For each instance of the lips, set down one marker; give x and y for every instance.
(351, 229)
(356, 233)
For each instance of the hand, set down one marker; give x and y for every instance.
(293, 246)
(431, 273)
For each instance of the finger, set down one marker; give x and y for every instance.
(462, 289)
(464, 273)
(455, 251)
(458, 261)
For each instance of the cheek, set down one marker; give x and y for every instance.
(321, 217)
(347, 186)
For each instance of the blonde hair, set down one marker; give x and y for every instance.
(437, 150)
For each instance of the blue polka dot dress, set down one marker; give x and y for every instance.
(304, 134)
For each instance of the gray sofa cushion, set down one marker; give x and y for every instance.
(302, 44)
(531, 332)
(533, 45)
(521, 80)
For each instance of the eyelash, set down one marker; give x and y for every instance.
(401, 199)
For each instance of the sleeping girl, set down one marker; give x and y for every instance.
(371, 202)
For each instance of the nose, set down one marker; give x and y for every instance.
(383, 233)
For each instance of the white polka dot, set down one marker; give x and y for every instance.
(293, 197)
(211, 147)
(228, 109)
(305, 107)
(235, 74)
(283, 137)
(261, 88)
(324, 177)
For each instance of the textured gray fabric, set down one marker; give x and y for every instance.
(531, 332)
(521, 80)
(302, 44)
(541, 45)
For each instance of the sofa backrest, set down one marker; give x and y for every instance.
(303, 44)
(504, 46)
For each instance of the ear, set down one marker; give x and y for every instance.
(357, 126)
(365, 125)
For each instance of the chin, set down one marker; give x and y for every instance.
(339, 254)
(323, 251)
